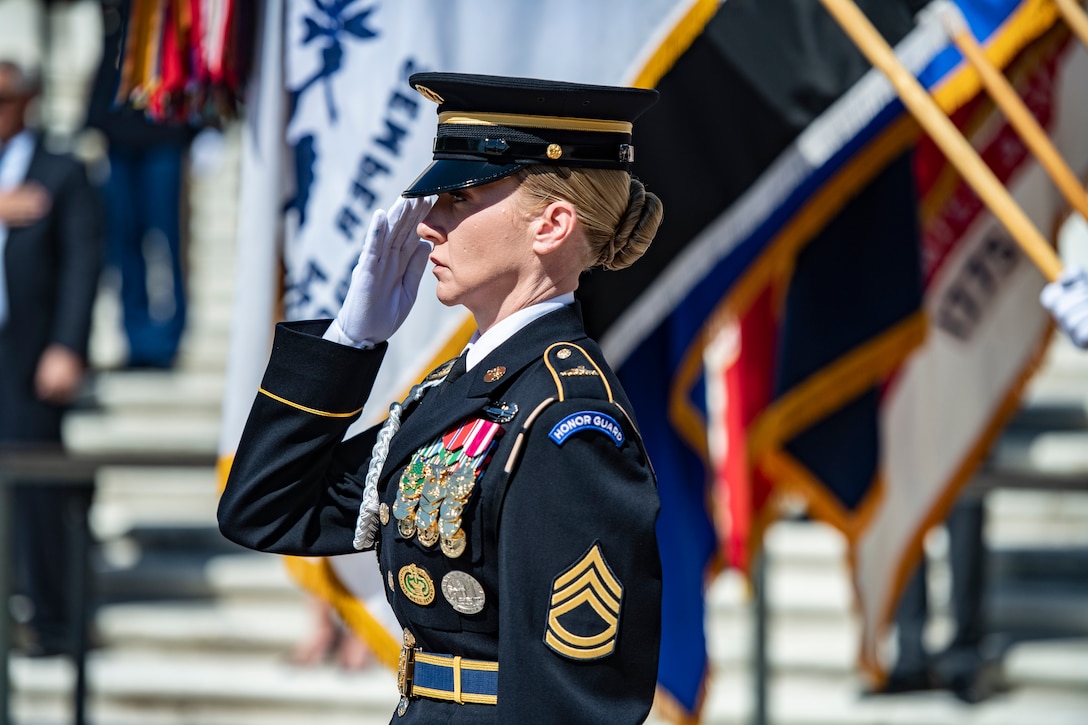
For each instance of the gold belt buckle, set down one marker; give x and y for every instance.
(406, 666)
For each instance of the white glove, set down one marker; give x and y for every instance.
(1067, 300)
(386, 278)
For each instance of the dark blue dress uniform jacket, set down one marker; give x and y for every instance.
(539, 510)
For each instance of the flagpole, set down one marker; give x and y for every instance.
(1014, 108)
(944, 133)
(1074, 18)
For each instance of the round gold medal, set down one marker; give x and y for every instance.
(454, 546)
(417, 584)
(428, 536)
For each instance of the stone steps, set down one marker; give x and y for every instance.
(151, 686)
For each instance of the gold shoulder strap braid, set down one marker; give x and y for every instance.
(575, 373)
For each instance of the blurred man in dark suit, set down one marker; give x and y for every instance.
(50, 256)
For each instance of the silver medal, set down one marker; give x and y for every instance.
(463, 592)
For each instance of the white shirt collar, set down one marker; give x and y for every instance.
(480, 345)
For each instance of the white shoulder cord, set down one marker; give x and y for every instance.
(366, 528)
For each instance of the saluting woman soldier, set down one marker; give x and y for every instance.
(509, 496)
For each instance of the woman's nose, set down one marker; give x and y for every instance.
(427, 230)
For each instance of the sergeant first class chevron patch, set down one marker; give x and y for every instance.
(584, 612)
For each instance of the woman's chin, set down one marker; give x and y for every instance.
(446, 297)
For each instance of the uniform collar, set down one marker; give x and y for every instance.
(523, 348)
(466, 396)
(481, 345)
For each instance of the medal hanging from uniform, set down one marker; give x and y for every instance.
(437, 483)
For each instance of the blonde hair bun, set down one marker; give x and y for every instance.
(635, 230)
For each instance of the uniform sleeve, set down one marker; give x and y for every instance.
(294, 486)
(579, 572)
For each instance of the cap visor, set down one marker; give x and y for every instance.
(449, 174)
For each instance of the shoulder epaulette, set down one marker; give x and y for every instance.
(576, 376)
(575, 373)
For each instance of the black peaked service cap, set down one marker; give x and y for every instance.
(491, 126)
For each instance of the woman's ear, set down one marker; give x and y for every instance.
(553, 226)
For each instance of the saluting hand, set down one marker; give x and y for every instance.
(1067, 300)
(386, 278)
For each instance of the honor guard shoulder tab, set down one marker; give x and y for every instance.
(576, 374)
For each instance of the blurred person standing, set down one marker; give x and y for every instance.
(50, 258)
(142, 197)
(964, 666)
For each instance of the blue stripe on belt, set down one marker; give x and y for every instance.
(446, 677)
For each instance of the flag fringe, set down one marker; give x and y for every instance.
(676, 43)
(1008, 406)
(668, 708)
(1023, 27)
(949, 178)
(833, 386)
